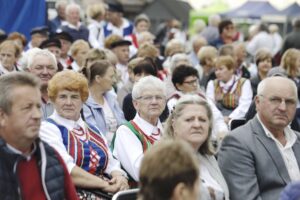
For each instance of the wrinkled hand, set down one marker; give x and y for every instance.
(111, 188)
(120, 181)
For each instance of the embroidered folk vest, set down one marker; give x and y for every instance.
(90, 155)
(229, 99)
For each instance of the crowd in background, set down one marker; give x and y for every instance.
(110, 89)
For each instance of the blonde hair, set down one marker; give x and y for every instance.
(227, 61)
(68, 80)
(95, 10)
(77, 45)
(147, 50)
(207, 53)
(288, 62)
(11, 43)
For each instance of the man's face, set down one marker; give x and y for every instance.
(8, 58)
(228, 31)
(43, 67)
(21, 126)
(73, 17)
(61, 11)
(122, 53)
(56, 51)
(113, 17)
(277, 105)
(65, 47)
(37, 39)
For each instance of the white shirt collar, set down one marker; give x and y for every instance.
(146, 127)
(289, 134)
(27, 156)
(4, 70)
(74, 27)
(69, 124)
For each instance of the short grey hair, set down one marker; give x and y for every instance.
(60, 3)
(146, 83)
(72, 6)
(176, 58)
(214, 20)
(40, 52)
(261, 88)
(12, 80)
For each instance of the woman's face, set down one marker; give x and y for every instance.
(108, 79)
(80, 55)
(192, 125)
(265, 65)
(189, 85)
(68, 104)
(223, 73)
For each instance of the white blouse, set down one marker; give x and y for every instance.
(244, 100)
(128, 148)
(51, 134)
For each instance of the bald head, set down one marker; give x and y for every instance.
(266, 85)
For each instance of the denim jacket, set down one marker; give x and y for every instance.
(93, 112)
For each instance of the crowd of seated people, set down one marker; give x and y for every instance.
(110, 91)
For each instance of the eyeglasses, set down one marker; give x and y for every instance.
(191, 82)
(276, 101)
(149, 98)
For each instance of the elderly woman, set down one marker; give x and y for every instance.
(231, 94)
(191, 120)
(135, 137)
(9, 54)
(78, 50)
(186, 81)
(101, 108)
(176, 174)
(81, 145)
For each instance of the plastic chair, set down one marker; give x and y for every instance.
(130, 194)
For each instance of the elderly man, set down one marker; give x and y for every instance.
(42, 63)
(120, 48)
(135, 137)
(60, 7)
(74, 26)
(116, 24)
(261, 157)
(38, 35)
(30, 169)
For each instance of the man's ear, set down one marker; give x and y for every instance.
(135, 104)
(2, 117)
